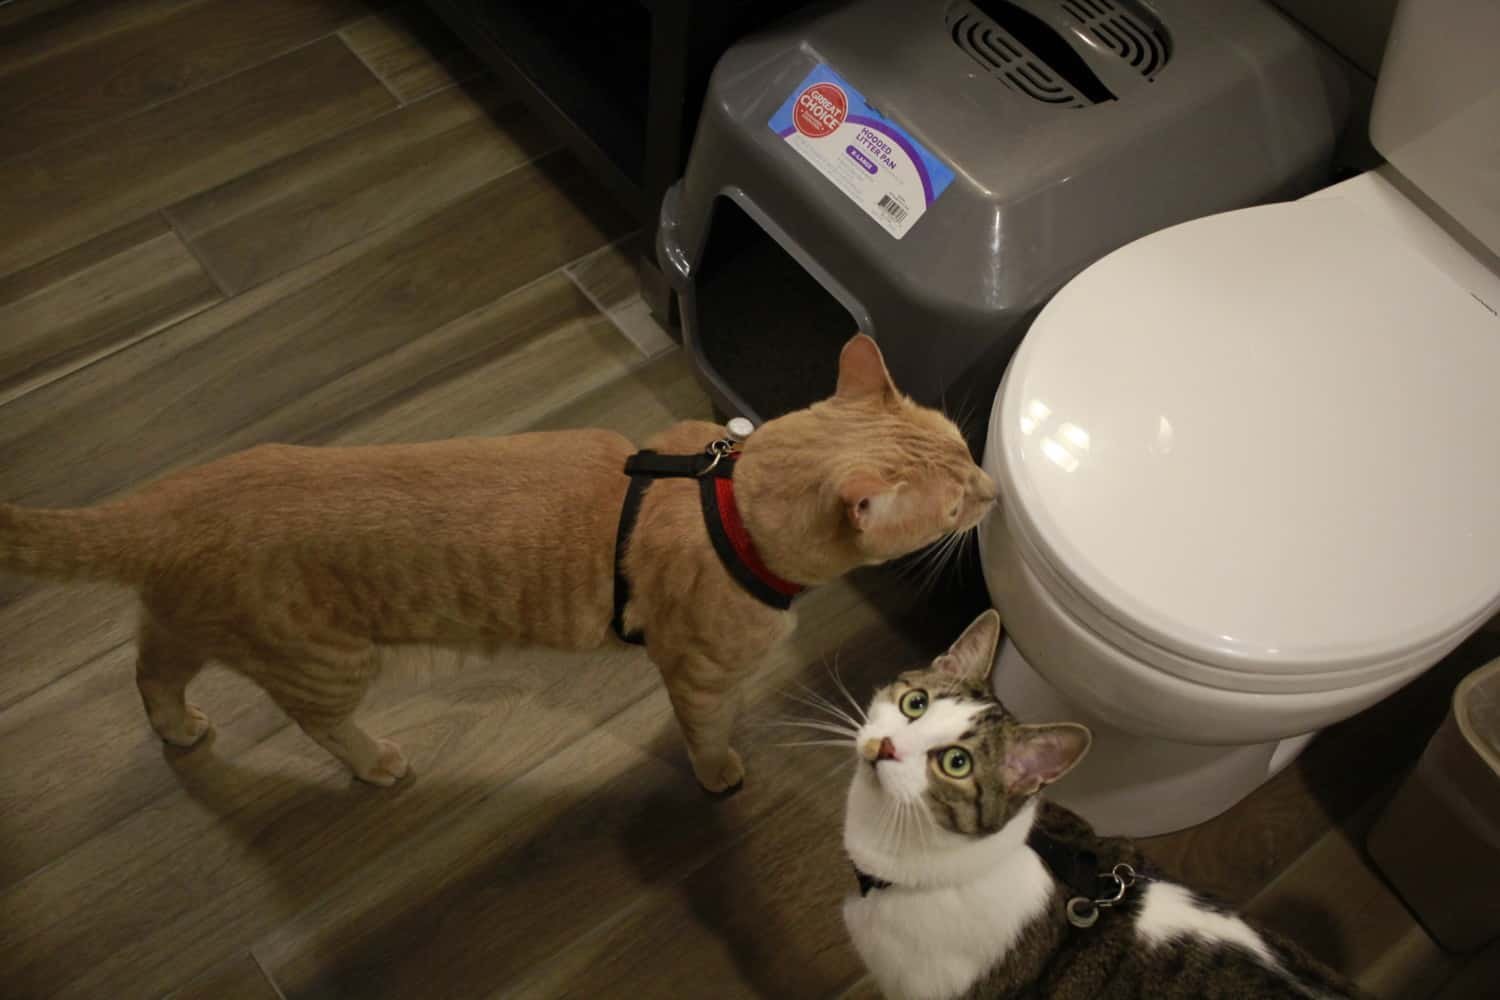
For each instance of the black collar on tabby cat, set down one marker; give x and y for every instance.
(714, 470)
(1077, 868)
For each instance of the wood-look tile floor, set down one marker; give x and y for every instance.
(317, 221)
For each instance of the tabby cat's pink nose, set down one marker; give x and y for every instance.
(887, 750)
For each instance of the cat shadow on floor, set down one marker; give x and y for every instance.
(770, 895)
(447, 885)
(759, 904)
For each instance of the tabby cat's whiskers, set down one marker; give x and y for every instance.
(844, 690)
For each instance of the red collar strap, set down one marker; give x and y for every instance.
(721, 515)
(736, 550)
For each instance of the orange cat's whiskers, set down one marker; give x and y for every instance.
(933, 561)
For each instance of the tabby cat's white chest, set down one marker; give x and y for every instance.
(927, 944)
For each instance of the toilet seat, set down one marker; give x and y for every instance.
(1283, 476)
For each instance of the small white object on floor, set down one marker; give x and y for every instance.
(739, 428)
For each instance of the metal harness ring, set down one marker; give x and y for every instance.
(1084, 912)
(718, 450)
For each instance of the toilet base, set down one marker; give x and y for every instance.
(1135, 786)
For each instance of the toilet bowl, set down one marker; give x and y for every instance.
(1249, 470)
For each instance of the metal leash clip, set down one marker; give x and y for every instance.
(1085, 912)
(720, 448)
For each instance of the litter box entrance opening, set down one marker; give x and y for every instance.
(766, 326)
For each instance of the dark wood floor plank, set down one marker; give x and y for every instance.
(760, 919)
(1237, 854)
(250, 840)
(405, 932)
(50, 92)
(203, 387)
(236, 978)
(650, 397)
(1476, 977)
(58, 197)
(37, 30)
(408, 163)
(411, 50)
(491, 371)
(91, 301)
(54, 629)
(80, 755)
(1333, 902)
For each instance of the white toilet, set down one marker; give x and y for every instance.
(1250, 466)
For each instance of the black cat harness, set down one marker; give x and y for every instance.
(1077, 868)
(714, 469)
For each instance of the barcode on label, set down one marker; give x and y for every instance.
(892, 208)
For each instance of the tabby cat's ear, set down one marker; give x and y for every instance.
(866, 498)
(1039, 755)
(971, 657)
(862, 372)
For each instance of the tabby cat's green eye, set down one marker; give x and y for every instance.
(913, 703)
(956, 762)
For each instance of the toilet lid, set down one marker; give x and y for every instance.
(1268, 441)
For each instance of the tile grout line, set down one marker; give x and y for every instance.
(165, 214)
(613, 315)
(401, 102)
(5, 707)
(608, 314)
(7, 397)
(266, 974)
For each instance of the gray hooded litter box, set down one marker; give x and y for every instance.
(931, 171)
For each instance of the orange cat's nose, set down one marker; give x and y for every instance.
(984, 488)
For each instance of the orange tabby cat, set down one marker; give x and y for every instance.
(292, 565)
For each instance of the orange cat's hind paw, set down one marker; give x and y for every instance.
(390, 765)
(188, 730)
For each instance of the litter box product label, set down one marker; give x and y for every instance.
(870, 158)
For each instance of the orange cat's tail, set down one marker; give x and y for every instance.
(85, 543)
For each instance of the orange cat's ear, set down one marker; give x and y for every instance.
(865, 496)
(862, 371)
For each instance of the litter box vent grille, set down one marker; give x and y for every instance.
(1126, 30)
(1025, 53)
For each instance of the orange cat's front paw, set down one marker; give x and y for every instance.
(390, 765)
(726, 779)
(188, 730)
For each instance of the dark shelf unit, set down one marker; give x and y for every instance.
(621, 83)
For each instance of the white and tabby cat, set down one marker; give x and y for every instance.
(965, 875)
